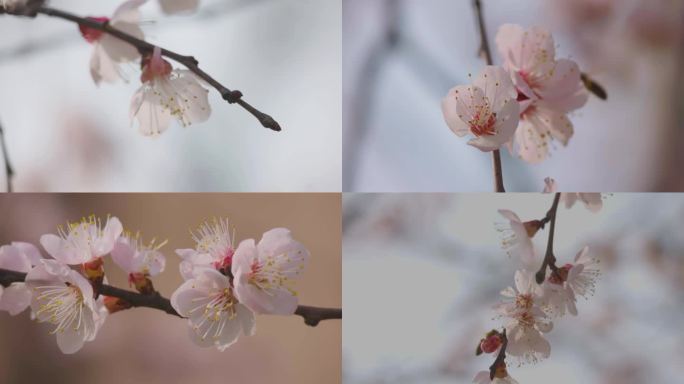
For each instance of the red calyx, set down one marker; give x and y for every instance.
(90, 34)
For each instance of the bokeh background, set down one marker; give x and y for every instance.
(65, 134)
(421, 273)
(148, 346)
(402, 56)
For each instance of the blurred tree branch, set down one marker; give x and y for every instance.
(36, 7)
(9, 171)
(311, 315)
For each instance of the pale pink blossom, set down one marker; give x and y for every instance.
(83, 242)
(571, 280)
(516, 237)
(562, 287)
(487, 109)
(214, 248)
(215, 316)
(136, 257)
(592, 201)
(178, 6)
(110, 52)
(167, 93)
(265, 272)
(547, 89)
(64, 298)
(482, 377)
(20, 257)
(526, 321)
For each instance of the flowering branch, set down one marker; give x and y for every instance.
(486, 52)
(549, 258)
(33, 8)
(311, 315)
(9, 171)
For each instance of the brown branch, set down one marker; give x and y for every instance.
(311, 315)
(231, 96)
(9, 171)
(549, 258)
(487, 54)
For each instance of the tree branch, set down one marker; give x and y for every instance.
(549, 258)
(487, 54)
(9, 171)
(231, 96)
(311, 315)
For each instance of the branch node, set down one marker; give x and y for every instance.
(232, 97)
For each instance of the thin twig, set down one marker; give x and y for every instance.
(9, 171)
(311, 315)
(549, 258)
(145, 48)
(487, 54)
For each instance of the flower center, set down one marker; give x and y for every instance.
(269, 275)
(91, 34)
(526, 319)
(483, 121)
(61, 305)
(217, 310)
(524, 301)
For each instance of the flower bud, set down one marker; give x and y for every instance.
(491, 343)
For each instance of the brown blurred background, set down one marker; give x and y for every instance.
(148, 346)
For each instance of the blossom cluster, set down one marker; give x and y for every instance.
(528, 308)
(165, 93)
(522, 104)
(224, 287)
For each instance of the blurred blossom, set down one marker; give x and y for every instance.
(461, 267)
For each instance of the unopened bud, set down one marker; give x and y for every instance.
(491, 343)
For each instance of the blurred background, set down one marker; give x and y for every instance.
(421, 273)
(402, 56)
(65, 134)
(148, 346)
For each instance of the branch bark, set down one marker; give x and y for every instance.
(486, 52)
(549, 258)
(311, 315)
(231, 96)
